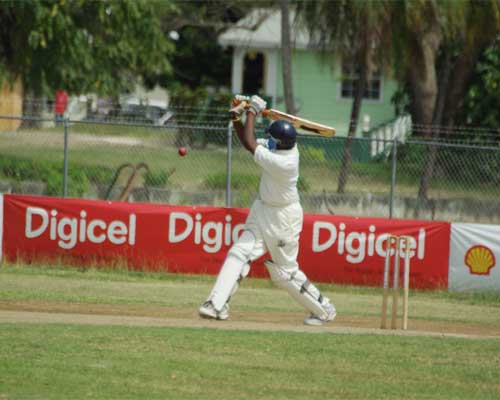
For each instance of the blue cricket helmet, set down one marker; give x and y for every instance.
(283, 133)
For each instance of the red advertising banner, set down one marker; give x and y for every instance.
(344, 250)
(352, 250)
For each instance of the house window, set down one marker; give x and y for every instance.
(253, 73)
(350, 77)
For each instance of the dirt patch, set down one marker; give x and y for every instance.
(146, 315)
(87, 139)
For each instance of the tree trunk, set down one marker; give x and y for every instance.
(32, 108)
(424, 84)
(286, 57)
(453, 84)
(356, 107)
(432, 150)
(425, 91)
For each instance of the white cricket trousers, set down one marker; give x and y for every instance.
(267, 228)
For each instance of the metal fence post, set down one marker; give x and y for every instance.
(228, 162)
(393, 175)
(65, 168)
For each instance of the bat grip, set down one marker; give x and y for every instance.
(235, 102)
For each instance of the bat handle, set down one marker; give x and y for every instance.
(235, 102)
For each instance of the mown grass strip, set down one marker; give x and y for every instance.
(62, 361)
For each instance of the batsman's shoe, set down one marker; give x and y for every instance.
(314, 320)
(208, 311)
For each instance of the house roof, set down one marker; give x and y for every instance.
(261, 28)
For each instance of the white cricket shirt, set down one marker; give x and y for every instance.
(280, 173)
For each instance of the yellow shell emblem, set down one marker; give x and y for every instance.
(480, 259)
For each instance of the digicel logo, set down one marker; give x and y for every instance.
(358, 245)
(70, 231)
(480, 259)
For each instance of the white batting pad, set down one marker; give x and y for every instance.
(234, 269)
(299, 287)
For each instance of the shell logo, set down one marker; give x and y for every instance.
(480, 259)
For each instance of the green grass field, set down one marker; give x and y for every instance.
(122, 334)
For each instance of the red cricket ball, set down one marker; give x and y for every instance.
(182, 151)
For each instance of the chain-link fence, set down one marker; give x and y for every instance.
(138, 161)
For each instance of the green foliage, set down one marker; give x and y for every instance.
(182, 96)
(95, 173)
(199, 60)
(84, 46)
(412, 158)
(401, 100)
(243, 182)
(303, 185)
(78, 182)
(185, 97)
(156, 178)
(51, 173)
(463, 165)
(210, 109)
(481, 104)
(312, 154)
(455, 164)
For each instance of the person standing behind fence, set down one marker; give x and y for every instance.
(60, 106)
(273, 224)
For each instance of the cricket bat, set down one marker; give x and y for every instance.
(297, 122)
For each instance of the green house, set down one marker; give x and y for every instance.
(322, 87)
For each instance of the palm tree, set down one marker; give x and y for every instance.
(356, 31)
(433, 47)
(286, 55)
(438, 45)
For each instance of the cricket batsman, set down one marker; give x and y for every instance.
(274, 222)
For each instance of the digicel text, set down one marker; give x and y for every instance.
(69, 231)
(358, 245)
(212, 234)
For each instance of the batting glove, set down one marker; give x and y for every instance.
(241, 98)
(237, 111)
(257, 105)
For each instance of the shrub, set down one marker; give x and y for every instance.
(51, 172)
(238, 181)
(244, 182)
(303, 185)
(312, 153)
(157, 178)
(453, 163)
(211, 109)
(96, 173)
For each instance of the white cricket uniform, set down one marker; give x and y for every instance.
(276, 216)
(273, 224)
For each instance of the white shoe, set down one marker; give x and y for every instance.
(208, 311)
(314, 320)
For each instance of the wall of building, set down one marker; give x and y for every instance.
(11, 104)
(317, 89)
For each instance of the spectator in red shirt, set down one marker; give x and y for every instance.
(60, 105)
